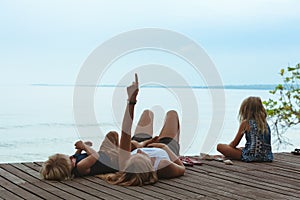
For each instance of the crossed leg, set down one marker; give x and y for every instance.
(229, 151)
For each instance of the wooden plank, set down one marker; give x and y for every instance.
(98, 184)
(147, 192)
(217, 183)
(138, 193)
(274, 190)
(275, 170)
(71, 189)
(288, 158)
(259, 171)
(100, 190)
(16, 185)
(212, 180)
(179, 193)
(199, 189)
(204, 179)
(28, 184)
(17, 189)
(14, 179)
(42, 183)
(233, 183)
(287, 155)
(187, 190)
(82, 191)
(288, 163)
(269, 171)
(135, 192)
(6, 194)
(79, 190)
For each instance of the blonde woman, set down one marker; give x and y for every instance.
(63, 167)
(253, 118)
(150, 160)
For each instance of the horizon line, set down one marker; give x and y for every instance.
(231, 86)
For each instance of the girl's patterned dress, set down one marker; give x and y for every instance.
(258, 145)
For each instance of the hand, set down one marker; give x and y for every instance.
(153, 140)
(79, 145)
(158, 145)
(136, 144)
(133, 90)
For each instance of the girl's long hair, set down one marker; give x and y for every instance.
(138, 171)
(252, 108)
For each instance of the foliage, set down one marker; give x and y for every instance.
(284, 109)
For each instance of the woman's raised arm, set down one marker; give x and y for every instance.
(125, 143)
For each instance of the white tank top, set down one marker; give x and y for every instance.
(157, 153)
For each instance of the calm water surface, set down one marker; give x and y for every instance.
(37, 121)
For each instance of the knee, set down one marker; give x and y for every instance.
(220, 147)
(113, 137)
(172, 113)
(112, 134)
(148, 112)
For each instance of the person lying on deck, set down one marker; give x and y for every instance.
(63, 167)
(149, 160)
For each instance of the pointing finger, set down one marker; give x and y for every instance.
(136, 78)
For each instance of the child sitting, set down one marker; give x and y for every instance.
(254, 126)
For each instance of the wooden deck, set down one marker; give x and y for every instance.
(213, 180)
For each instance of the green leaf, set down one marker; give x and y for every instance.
(272, 92)
(283, 108)
(279, 87)
(270, 112)
(291, 69)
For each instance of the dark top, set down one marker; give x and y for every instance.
(258, 145)
(98, 168)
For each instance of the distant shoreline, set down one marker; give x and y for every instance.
(234, 87)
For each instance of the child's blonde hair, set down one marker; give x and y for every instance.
(57, 167)
(252, 108)
(138, 171)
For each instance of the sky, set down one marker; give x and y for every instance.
(48, 41)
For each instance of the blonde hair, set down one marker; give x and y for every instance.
(252, 108)
(57, 167)
(138, 171)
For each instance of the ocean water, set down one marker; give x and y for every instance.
(38, 120)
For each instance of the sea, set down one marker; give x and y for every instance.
(38, 120)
